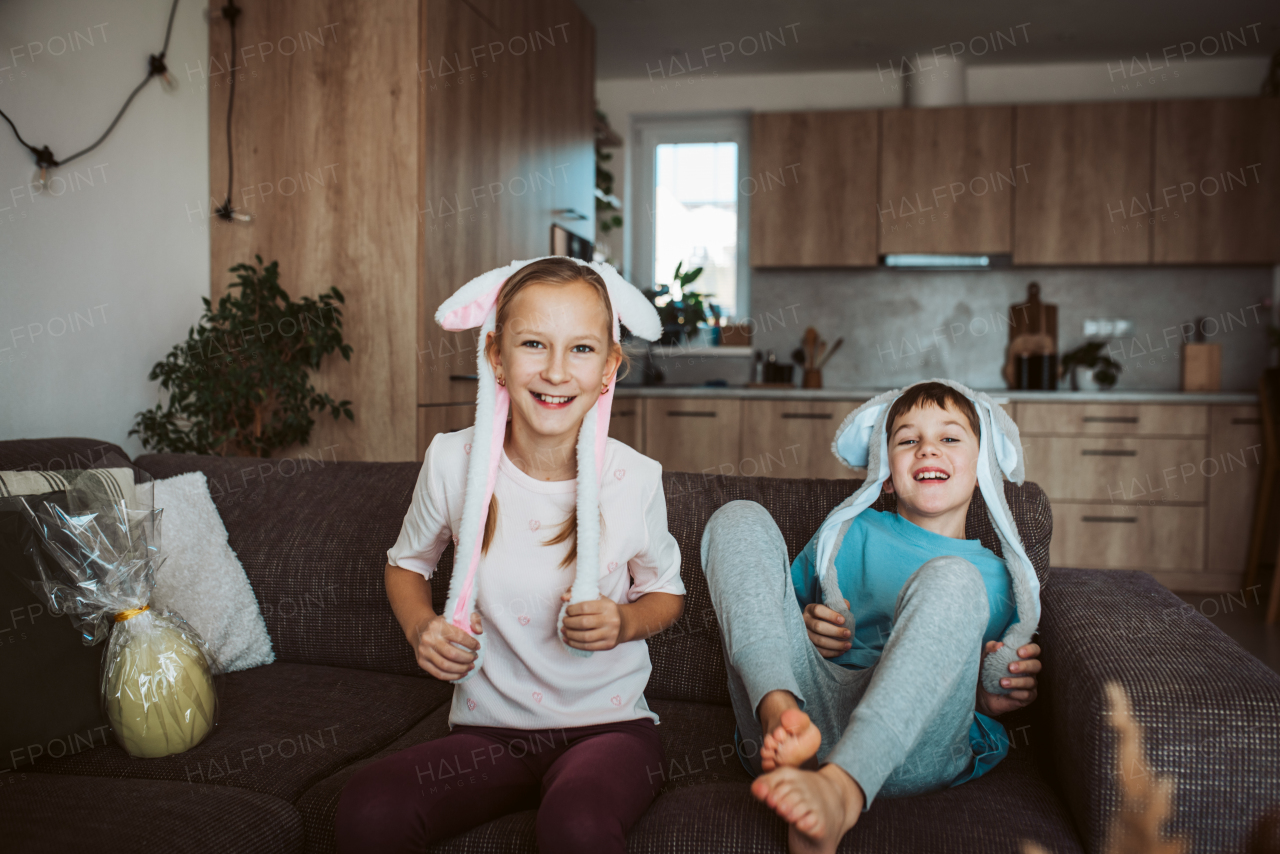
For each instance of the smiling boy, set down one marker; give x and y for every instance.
(857, 672)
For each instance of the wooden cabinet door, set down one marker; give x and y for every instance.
(785, 438)
(1217, 181)
(1086, 163)
(626, 422)
(813, 189)
(443, 419)
(946, 180)
(1233, 467)
(694, 434)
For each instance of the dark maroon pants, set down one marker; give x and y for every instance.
(589, 784)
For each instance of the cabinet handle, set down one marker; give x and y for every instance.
(623, 413)
(570, 213)
(1246, 420)
(461, 377)
(1110, 419)
(817, 416)
(1129, 519)
(1102, 452)
(690, 413)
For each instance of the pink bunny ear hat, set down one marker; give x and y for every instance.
(475, 305)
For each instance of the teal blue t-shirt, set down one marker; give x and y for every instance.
(879, 553)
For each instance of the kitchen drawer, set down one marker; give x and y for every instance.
(792, 438)
(695, 434)
(1116, 469)
(1114, 536)
(626, 421)
(1113, 419)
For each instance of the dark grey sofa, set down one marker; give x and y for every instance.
(345, 690)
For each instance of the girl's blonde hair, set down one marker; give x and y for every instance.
(549, 271)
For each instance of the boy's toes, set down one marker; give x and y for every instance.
(797, 739)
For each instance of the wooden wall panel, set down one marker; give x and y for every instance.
(1086, 165)
(325, 150)
(946, 180)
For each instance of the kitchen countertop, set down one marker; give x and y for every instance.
(999, 395)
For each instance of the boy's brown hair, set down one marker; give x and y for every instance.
(936, 394)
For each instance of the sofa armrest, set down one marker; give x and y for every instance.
(1210, 710)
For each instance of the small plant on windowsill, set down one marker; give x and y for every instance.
(240, 383)
(1104, 369)
(680, 312)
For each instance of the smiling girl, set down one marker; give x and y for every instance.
(548, 707)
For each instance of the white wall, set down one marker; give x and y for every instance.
(103, 272)
(621, 99)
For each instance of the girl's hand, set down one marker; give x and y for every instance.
(592, 625)
(1025, 686)
(436, 652)
(826, 630)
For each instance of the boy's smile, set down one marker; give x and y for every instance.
(933, 456)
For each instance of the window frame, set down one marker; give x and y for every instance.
(648, 132)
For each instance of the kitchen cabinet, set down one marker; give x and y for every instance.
(946, 180)
(626, 421)
(507, 151)
(694, 434)
(792, 438)
(1233, 466)
(1165, 488)
(1086, 164)
(812, 188)
(442, 419)
(1216, 198)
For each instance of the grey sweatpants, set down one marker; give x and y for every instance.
(899, 727)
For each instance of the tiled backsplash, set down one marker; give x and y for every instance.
(904, 326)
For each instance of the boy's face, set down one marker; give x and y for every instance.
(933, 461)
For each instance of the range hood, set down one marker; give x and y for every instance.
(923, 261)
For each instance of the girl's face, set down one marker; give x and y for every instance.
(555, 356)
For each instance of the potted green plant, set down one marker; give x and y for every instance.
(680, 316)
(1102, 369)
(240, 383)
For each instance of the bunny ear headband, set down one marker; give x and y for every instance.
(475, 305)
(863, 441)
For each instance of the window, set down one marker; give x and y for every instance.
(689, 210)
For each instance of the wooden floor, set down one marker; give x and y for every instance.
(1243, 623)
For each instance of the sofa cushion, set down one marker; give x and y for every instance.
(56, 813)
(280, 728)
(705, 803)
(312, 535)
(68, 453)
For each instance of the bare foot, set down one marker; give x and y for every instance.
(793, 742)
(821, 806)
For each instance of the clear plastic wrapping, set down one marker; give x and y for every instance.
(97, 565)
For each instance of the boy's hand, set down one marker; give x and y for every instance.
(435, 648)
(1024, 685)
(826, 630)
(592, 625)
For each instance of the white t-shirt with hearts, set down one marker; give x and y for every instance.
(529, 680)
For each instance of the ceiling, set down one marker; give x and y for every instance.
(634, 38)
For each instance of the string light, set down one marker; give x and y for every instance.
(45, 159)
(225, 211)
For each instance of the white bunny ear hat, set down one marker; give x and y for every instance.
(475, 305)
(863, 441)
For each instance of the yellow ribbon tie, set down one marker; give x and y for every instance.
(129, 614)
